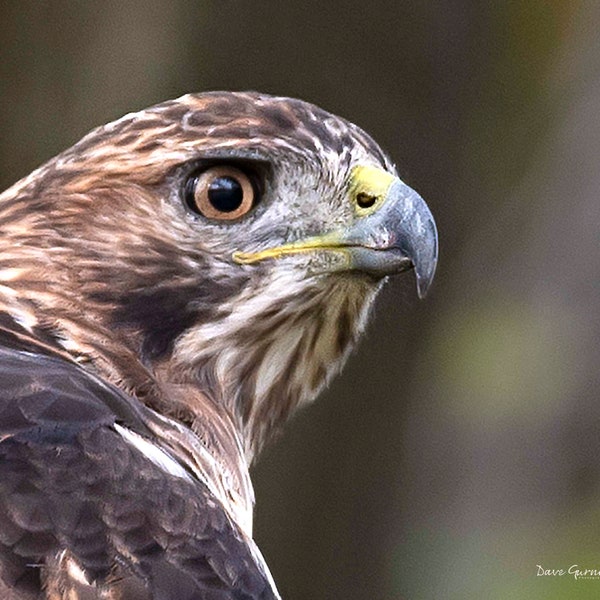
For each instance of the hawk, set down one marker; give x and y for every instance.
(172, 288)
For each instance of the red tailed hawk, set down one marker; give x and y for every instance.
(172, 288)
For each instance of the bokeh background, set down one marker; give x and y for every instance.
(460, 448)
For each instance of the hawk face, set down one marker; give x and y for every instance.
(229, 243)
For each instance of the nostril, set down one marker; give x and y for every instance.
(365, 200)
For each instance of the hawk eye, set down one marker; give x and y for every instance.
(222, 192)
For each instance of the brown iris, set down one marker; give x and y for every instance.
(222, 192)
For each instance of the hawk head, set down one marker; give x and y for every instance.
(226, 243)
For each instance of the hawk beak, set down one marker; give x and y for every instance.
(393, 231)
(399, 235)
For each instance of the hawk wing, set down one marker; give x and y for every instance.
(91, 507)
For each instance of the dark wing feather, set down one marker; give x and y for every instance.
(70, 481)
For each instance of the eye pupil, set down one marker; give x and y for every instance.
(225, 194)
(221, 193)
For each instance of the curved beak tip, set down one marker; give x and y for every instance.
(405, 236)
(424, 281)
(425, 260)
(416, 234)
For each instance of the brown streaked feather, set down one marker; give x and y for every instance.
(116, 300)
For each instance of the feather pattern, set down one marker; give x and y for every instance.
(141, 368)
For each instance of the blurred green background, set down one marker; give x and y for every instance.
(460, 447)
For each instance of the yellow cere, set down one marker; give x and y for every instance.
(372, 182)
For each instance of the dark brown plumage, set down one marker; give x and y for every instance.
(172, 288)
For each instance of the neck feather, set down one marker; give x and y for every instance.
(269, 353)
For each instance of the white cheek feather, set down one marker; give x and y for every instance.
(245, 311)
(214, 338)
(225, 343)
(276, 359)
